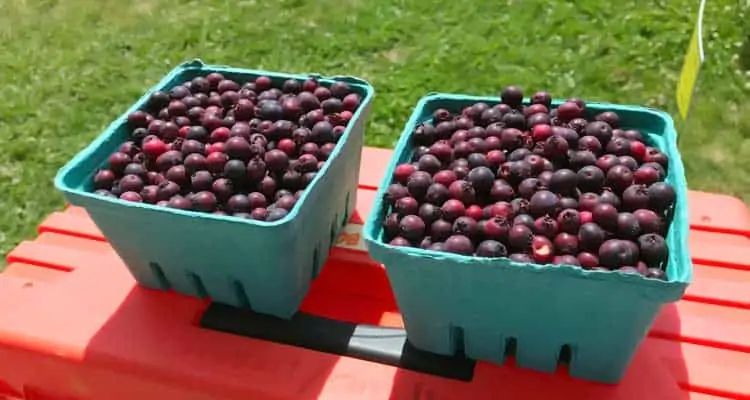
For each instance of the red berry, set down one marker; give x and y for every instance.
(541, 132)
(154, 148)
(638, 150)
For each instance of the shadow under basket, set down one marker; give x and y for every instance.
(487, 307)
(267, 266)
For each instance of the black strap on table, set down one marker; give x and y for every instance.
(372, 343)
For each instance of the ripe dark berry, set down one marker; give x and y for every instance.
(452, 209)
(437, 194)
(223, 189)
(563, 181)
(180, 203)
(616, 253)
(512, 139)
(118, 161)
(519, 237)
(610, 117)
(406, 206)
(201, 180)
(546, 226)
(104, 179)
(528, 187)
(600, 130)
(555, 147)
(568, 202)
(442, 150)
(569, 221)
(149, 194)
(512, 96)
(131, 183)
(520, 206)
(520, 258)
(542, 97)
(619, 177)
(235, 170)
(491, 248)
(566, 243)
(618, 146)
(635, 197)
(605, 215)
(418, 183)
(591, 144)
(204, 201)
(514, 172)
(514, 119)
(501, 191)
(655, 155)
(588, 260)
(276, 214)
(653, 250)
(459, 244)
(482, 179)
(524, 219)
(581, 158)
(568, 111)
(391, 225)
(463, 191)
(543, 202)
(276, 160)
(429, 213)
(629, 162)
(429, 163)
(132, 196)
(627, 226)
(440, 230)
(609, 197)
(645, 175)
(656, 273)
(649, 221)
(287, 202)
(394, 192)
(465, 226)
(661, 196)
(444, 177)
(590, 236)
(590, 179)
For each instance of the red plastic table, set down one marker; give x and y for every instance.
(75, 326)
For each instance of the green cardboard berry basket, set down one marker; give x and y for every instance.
(483, 306)
(267, 266)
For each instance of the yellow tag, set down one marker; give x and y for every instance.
(691, 66)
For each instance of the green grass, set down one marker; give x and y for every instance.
(70, 66)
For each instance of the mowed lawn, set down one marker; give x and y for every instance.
(68, 67)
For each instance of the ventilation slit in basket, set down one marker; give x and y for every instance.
(316, 262)
(160, 276)
(345, 219)
(566, 354)
(511, 344)
(457, 335)
(200, 289)
(333, 230)
(241, 295)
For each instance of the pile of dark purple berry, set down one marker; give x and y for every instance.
(217, 146)
(534, 184)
